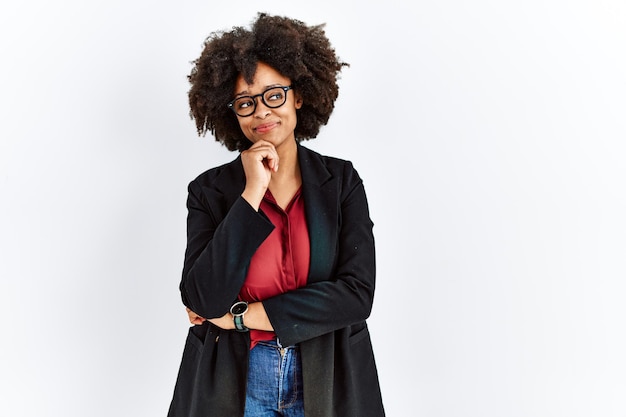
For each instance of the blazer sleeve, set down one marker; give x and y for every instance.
(220, 243)
(346, 296)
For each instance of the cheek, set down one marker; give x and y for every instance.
(243, 124)
(246, 129)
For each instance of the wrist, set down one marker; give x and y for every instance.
(256, 318)
(238, 311)
(254, 196)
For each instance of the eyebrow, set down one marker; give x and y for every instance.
(267, 87)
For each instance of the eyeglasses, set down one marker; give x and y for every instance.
(272, 97)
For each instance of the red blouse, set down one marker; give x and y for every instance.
(281, 263)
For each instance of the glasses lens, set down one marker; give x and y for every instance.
(244, 106)
(275, 97)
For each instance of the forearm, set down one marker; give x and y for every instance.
(217, 257)
(319, 308)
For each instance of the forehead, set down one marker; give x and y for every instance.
(264, 77)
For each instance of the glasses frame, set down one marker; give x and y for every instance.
(231, 105)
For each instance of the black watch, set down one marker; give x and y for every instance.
(238, 310)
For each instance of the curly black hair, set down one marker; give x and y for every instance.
(299, 52)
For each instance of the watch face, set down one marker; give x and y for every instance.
(239, 308)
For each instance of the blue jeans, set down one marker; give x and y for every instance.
(274, 381)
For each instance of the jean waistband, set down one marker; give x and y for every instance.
(275, 343)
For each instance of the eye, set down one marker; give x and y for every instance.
(243, 103)
(275, 95)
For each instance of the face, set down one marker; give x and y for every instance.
(275, 125)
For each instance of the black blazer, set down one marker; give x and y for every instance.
(326, 317)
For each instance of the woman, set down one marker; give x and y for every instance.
(279, 268)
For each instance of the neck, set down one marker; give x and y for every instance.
(288, 166)
(285, 183)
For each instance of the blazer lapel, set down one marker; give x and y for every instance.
(231, 181)
(320, 191)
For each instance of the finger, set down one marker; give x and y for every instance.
(268, 157)
(271, 163)
(271, 160)
(266, 149)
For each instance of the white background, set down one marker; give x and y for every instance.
(490, 136)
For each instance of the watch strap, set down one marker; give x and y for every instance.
(239, 326)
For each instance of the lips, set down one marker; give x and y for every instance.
(265, 127)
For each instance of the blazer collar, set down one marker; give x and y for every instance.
(231, 181)
(312, 167)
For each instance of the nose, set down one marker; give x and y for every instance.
(261, 111)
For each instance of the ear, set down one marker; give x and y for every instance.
(298, 101)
